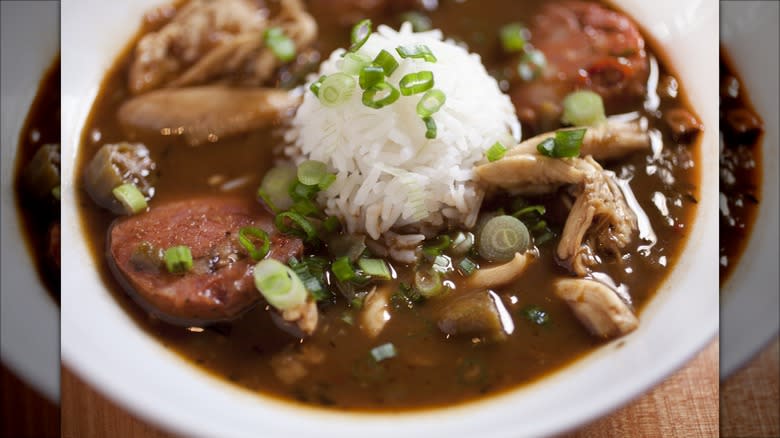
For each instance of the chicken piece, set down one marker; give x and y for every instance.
(606, 141)
(597, 306)
(530, 173)
(303, 319)
(206, 40)
(206, 113)
(375, 315)
(291, 364)
(500, 275)
(600, 212)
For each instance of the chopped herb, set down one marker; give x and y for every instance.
(496, 152)
(536, 315)
(467, 266)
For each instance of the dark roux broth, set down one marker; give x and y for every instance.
(38, 215)
(430, 369)
(740, 166)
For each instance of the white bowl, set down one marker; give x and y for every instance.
(30, 318)
(751, 296)
(103, 345)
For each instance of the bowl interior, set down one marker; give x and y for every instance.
(751, 296)
(30, 318)
(109, 351)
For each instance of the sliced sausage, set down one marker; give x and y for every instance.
(220, 285)
(586, 46)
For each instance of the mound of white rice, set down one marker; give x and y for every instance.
(389, 176)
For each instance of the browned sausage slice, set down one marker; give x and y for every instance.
(220, 285)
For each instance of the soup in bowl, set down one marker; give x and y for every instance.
(388, 209)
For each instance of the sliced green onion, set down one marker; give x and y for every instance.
(583, 108)
(279, 285)
(418, 51)
(431, 102)
(343, 269)
(546, 236)
(420, 22)
(536, 315)
(336, 89)
(371, 75)
(178, 259)
(384, 351)
(410, 293)
(387, 61)
(331, 224)
(300, 226)
(501, 237)
(415, 83)
(311, 276)
(360, 34)
(531, 65)
(568, 142)
(376, 268)
(280, 44)
(513, 37)
(496, 152)
(462, 243)
(130, 197)
(547, 147)
(353, 63)
(299, 191)
(430, 127)
(315, 86)
(305, 207)
(442, 264)
(327, 181)
(380, 95)
(467, 266)
(275, 188)
(438, 246)
(538, 209)
(244, 238)
(428, 282)
(56, 192)
(311, 172)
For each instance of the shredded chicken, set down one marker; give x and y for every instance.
(597, 306)
(304, 317)
(209, 39)
(500, 275)
(375, 316)
(205, 113)
(291, 364)
(530, 173)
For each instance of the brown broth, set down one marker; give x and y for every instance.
(42, 126)
(430, 370)
(740, 169)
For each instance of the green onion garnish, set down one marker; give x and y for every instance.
(384, 351)
(331, 224)
(371, 75)
(300, 191)
(583, 108)
(430, 127)
(280, 286)
(513, 37)
(315, 86)
(565, 144)
(496, 152)
(376, 268)
(360, 34)
(428, 282)
(300, 226)
(387, 61)
(343, 269)
(438, 246)
(311, 273)
(531, 65)
(415, 83)
(311, 172)
(536, 315)
(547, 147)
(280, 44)
(353, 63)
(55, 191)
(538, 209)
(178, 259)
(442, 263)
(431, 102)
(380, 95)
(462, 243)
(305, 207)
(420, 22)
(467, 266)
(275, 188)
(501, 237)
(130, 197)
(419, 51)
(336, 89)
(245, 235)
(327, 181)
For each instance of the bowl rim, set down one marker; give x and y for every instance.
(259, 412)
